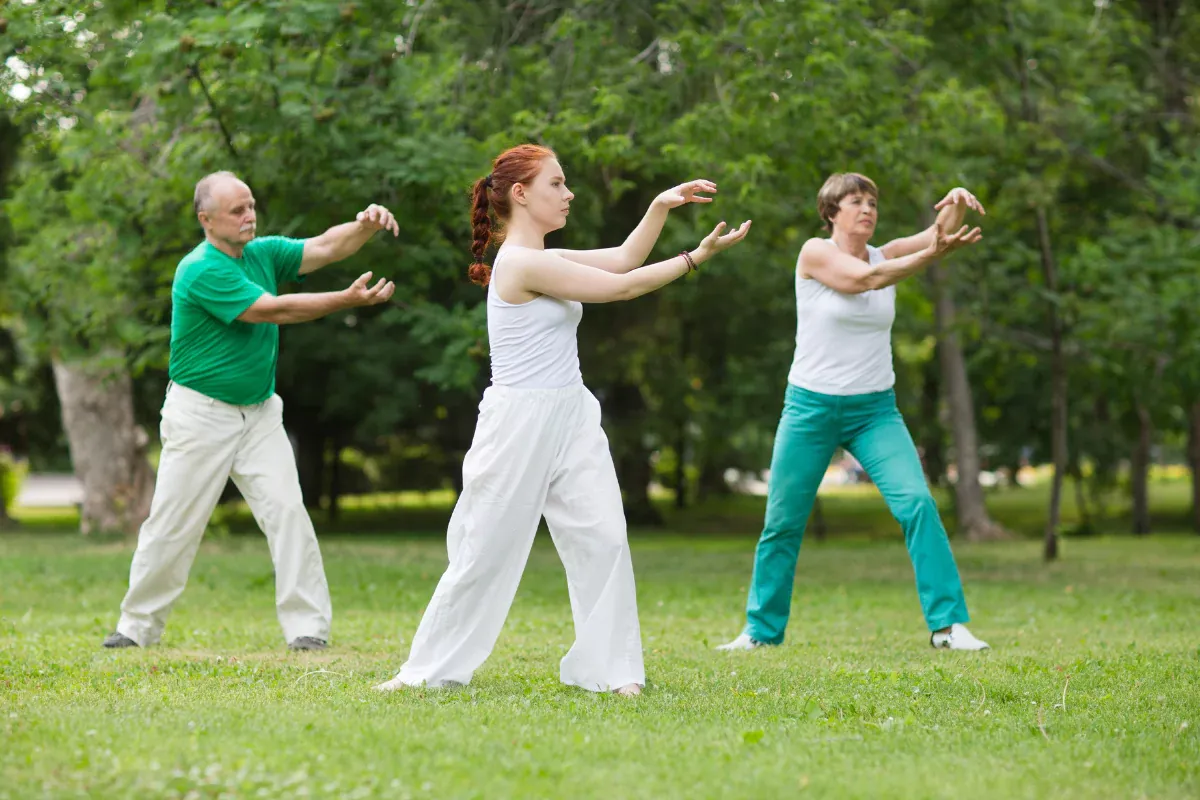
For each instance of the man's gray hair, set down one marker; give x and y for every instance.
(203, 195)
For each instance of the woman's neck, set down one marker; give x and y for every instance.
(520, 233)
(851, 244)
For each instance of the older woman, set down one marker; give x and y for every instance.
(840, 394)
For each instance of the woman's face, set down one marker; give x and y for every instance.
(857, 214)
(546, 198)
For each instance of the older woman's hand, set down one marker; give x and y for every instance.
(942, 244)
(960, 195)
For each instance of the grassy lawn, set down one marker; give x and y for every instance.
(1091, 689)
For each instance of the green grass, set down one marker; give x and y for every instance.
(855, 704)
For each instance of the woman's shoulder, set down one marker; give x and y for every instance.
(813, 248)
(816, 246)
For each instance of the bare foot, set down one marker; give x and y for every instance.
(628, 690)
(393, 685)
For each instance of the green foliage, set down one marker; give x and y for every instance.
(1087, 112)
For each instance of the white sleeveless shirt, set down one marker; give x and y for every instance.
(533, 345)
(843, 341)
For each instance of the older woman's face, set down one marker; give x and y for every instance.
(857, 214)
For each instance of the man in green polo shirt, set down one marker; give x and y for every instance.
(222, 419)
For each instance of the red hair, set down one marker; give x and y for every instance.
(491, 201)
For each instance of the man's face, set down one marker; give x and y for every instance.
(230, 216)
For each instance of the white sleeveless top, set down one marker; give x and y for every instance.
(532, 344)
(843, 341)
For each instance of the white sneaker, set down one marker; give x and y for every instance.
(743, 642)
(958, 638)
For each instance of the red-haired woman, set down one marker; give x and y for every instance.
(538, 447)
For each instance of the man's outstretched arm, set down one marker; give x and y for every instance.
(305, 306)
(343, 241)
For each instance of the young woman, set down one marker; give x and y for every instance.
(840, 394)
(538, 447)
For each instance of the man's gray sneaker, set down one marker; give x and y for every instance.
(307, 643)
(119, 640)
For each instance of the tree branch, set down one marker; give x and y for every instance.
(411, 39)
(194, 70)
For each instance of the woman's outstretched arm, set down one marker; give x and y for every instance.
(637, 246)
(952, 210)
(544, 273)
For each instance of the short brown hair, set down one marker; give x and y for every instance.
(837, 187)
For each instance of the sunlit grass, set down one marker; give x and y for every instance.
(1089, 691)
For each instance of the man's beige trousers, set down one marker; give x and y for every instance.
(206, 442)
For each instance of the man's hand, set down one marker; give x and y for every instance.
(343, 241)
(360, 294)
(378, 218)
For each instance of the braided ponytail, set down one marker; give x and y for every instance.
(481, 226)
(491, 200)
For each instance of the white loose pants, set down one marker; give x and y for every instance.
(535, 452)
(205, 442)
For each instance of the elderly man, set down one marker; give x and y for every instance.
(222, 418)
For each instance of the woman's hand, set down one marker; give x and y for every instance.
(690, 192)
(960, 195)
(714, 243)
(942, 245)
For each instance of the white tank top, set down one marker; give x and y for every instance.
(533, 345)
(843, 341)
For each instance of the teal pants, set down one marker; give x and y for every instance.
(870, 427)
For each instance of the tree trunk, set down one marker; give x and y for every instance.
(1194, 459)
(108, 450)
(1014, 471)
(932, 445)
(1104, 460)
(1139, 467)
(627, 410)
(310, 463)
(10, 139)
(681, 468)
(635, 472)
(974, 522)
(1081, 501)
(681, 441)
(711, 480)
(1169, 53)
(816, 520)
(1058, 388)
(335, 478)
(1058, 366)
(6, 522)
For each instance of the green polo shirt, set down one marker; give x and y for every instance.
(211, 351)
